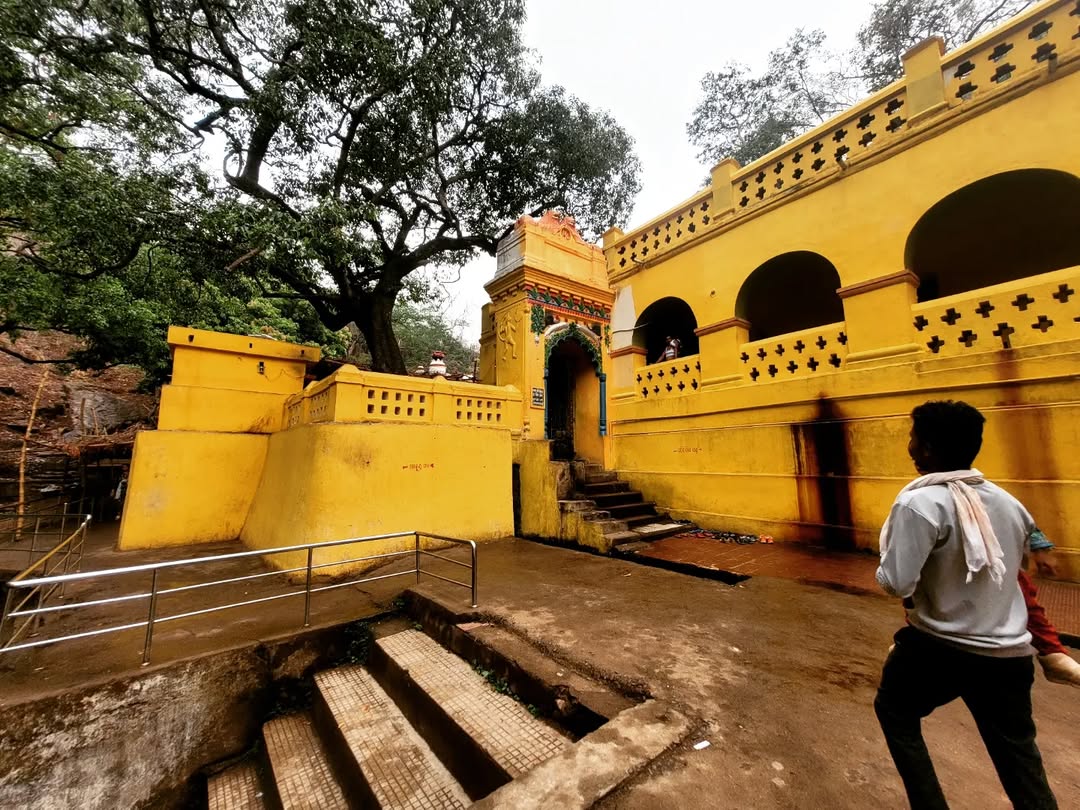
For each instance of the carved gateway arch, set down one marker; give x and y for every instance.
(554, 336)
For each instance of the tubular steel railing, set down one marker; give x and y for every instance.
(37, 583)
(13, 612)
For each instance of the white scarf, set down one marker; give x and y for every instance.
(981, 547)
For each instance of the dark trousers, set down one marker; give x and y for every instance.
(922, 673)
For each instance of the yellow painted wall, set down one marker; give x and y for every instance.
(190, 487)
(193, 479)
(820, 453)
(355, 454)
(544, 483)
(334, 481)
(185, 407)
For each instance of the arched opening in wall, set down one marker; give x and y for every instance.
(1004, 227)
(664, 319)
(573, 403)
(789, 293)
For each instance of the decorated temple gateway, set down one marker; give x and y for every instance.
(746, 360)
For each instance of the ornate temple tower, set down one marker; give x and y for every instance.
(546, 332)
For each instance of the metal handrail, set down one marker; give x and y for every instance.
(152, 618)
(66, 553)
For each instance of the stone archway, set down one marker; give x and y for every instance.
(661, 320)
(575, 396)
(1001, 228)
(789, 293)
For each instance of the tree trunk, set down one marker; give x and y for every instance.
(375, 321)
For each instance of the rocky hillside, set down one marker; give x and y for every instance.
(77, 409)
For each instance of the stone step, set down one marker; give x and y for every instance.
(661, 528)
(635, 521)
(605, 499)
(577, 505)
(395, 767)
(484, 737)
(606, 526)
(600, 477)
(628, 510)
(599, 489)
(631, 545)
(239, 787)
(304, 777)
(595, 515)
(618, 539)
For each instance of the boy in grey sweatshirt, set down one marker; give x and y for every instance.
(953, 547)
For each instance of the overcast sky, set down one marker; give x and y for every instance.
(642, 62)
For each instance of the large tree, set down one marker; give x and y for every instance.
(101, 255)
(353, 142)
(744, 115)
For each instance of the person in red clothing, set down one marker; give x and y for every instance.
(1058, 666)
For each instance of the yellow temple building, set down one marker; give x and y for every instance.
(924, 244)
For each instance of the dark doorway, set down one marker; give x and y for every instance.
(560, 392)
(573, 398)
(515, 488)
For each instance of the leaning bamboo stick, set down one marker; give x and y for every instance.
(22, 456)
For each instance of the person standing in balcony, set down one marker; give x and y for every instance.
(672, 348)
(953, 546)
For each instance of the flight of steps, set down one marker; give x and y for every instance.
(627, 520)
(416, 728)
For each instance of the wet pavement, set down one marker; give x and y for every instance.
(780, 674)
(847, 571)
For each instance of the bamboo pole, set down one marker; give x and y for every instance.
(22, 456)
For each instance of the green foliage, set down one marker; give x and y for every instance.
(896, 25)
(362, 141)
(420, 330)
(500, 685)
(574, 332)
(536, 319)
(746, 115)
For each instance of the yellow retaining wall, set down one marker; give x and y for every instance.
(243, 452)
(190, 487)
(193, 479)
(805, 458)
(334, 481)
(543, 484)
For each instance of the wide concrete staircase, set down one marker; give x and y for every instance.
(416, 728)
(626, 520)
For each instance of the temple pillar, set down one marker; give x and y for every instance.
(877, 317)
(720, 342)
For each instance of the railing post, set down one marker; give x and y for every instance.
(7, 609)
(472, 546)
(307, 590)
(82, 544)
(416, 536)
(33, 543)
(67, 555)
(150, 620)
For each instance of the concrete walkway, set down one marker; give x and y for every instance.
(781, 674)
